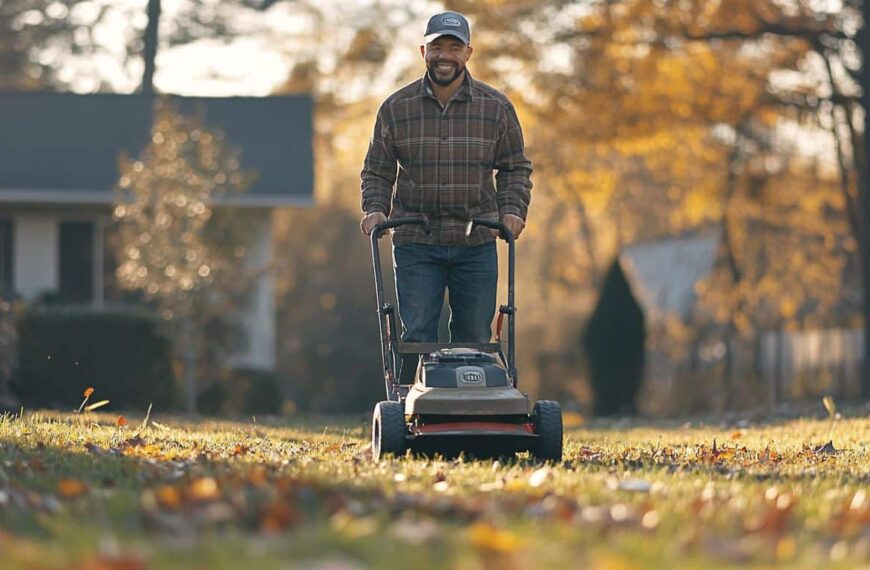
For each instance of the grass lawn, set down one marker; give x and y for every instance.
(83, 491)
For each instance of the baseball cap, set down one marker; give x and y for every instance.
(448, 24)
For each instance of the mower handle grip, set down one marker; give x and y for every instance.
(503, 230)
(389, 224)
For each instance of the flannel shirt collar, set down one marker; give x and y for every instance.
(462, 94)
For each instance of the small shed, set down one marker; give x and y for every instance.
(640, 338)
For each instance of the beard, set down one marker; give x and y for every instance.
(442, 79)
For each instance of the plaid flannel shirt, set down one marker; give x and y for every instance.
(425, 159)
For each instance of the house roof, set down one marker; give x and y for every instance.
(663, 273)
(64, 147)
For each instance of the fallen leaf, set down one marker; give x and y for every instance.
(635, 485)
(71, 488)
(826, 449)
(122, 421)
(204, 489)
(240, 450)
(278, 516)
(487, 537)
(96, 405)
(537, 478)
(168, 497)
(135, 441)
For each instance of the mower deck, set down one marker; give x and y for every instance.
(423, 400)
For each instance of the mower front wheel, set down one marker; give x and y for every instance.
(547, 417)
(388, 430)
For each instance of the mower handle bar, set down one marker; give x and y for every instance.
(389, 224)
(508, 309)
(503, 230)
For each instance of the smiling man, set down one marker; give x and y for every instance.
(436, 145)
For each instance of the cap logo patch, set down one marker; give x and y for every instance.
(448, 21)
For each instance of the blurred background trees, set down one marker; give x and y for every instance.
(644, 118)
(175, 247)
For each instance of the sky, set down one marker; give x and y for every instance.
(254, 64)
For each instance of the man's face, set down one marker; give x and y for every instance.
(445, 59)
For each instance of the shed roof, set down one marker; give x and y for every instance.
(663, 273)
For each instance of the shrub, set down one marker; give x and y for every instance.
(121, 353)
(241, 391)
(213, 399)
(262, 392)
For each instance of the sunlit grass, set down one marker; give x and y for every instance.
(82, 489)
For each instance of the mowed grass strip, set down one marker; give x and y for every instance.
(93, 491)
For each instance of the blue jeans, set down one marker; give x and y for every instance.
(469, 273)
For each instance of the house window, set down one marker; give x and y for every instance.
(6, 277)
(77, 261)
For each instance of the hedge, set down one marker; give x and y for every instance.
(121, 353)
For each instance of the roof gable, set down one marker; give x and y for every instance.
(663, 273)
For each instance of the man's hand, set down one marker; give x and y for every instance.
(514, 223)
(369, 221)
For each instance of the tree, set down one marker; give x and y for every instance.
(179, 242)
(150, 44)
(29, 26)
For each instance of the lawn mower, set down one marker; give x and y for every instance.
(460, 397)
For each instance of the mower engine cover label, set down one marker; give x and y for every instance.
(470, 376)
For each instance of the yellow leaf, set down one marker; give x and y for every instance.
(204, 489)
(487, 537)
(168, 497)
(830, 405)
(96, 405)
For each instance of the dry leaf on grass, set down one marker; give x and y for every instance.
(487, 537)
(95, 405)
(71, 488)
(826, 449)
(203, 489)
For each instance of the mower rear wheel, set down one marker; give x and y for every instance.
(547, 417)
(388, 430)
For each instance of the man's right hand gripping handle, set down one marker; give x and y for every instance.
(369, 221)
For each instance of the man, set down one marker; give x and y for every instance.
(435, 146)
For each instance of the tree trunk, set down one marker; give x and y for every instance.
(150, 52)
(863, 38)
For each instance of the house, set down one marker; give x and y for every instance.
(59, 163)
